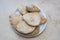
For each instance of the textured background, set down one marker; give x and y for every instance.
(51, 8)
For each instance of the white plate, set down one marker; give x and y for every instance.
(41, 28)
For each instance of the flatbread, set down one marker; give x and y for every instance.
(32, 19)
(24, 28)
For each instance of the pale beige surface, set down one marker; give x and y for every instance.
(51, 8)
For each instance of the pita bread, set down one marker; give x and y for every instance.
(32, 19)
(24, 28)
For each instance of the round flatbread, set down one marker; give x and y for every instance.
(24, 28)
(32, 19)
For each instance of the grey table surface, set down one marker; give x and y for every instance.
(50, 7)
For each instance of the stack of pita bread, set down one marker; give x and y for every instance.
(28, 21)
